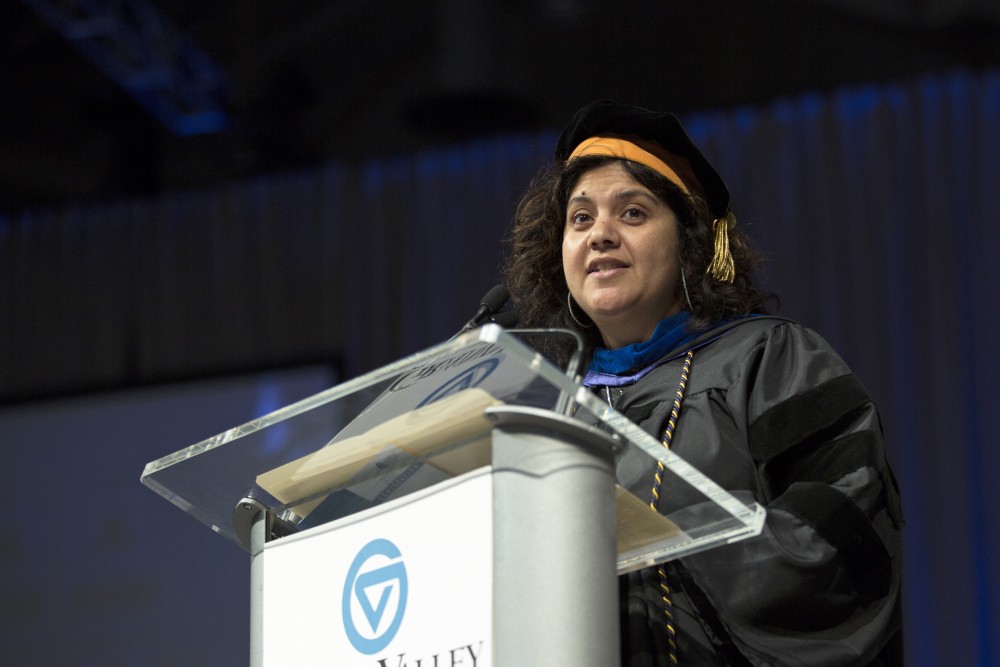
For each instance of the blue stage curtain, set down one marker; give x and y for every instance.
(876, 207)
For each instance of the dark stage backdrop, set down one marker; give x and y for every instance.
(876, 207)
(98, 569)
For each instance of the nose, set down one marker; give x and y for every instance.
(603, 234)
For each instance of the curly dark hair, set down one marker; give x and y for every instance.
(534, 272)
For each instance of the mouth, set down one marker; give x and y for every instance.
(604, 265)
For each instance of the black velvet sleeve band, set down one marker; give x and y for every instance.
(845, 527)
(795, 419)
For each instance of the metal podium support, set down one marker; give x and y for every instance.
(555, 589)
(255, 525)
(258, 536)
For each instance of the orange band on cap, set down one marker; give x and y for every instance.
(674, 168)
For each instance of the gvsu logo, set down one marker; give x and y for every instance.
(374, 596)
(471, 377)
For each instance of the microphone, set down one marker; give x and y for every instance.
(489, 305)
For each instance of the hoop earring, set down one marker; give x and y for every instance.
(569, 306)
(687, 296)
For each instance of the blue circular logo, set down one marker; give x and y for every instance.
(471, 377)
(374, 596)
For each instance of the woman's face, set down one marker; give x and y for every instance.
(620, 255)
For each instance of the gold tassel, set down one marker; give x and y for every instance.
(723, 268)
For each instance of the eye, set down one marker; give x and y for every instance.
(579, 218)
(634, 213)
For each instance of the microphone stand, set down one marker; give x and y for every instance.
(566, 404)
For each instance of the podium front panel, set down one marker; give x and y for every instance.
(369, 589)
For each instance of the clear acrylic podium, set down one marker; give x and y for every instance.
(482, 436)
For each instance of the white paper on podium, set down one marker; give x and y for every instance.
(416, 435)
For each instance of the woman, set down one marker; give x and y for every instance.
(628, 239)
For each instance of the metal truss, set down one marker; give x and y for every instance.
(138, 48)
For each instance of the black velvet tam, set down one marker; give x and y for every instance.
(607, 117)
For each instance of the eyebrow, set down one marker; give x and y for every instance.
(623, 194)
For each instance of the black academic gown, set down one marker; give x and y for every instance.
(771, 413)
